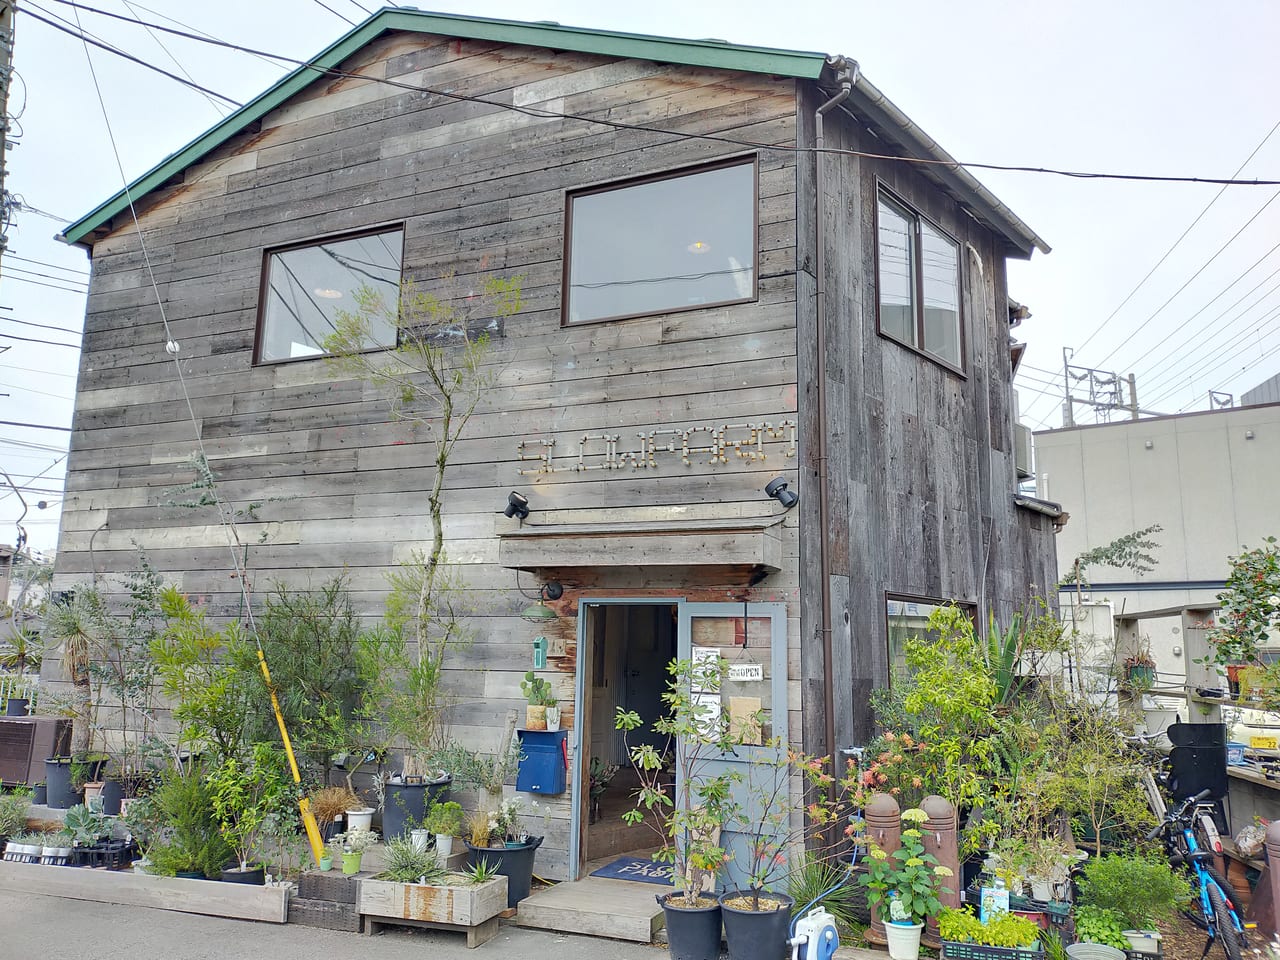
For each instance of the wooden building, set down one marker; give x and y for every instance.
(711, 303)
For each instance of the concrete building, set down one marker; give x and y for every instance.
(1208, 479)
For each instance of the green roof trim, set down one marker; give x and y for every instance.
(716, 54)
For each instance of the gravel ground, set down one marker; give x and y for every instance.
(52, 928)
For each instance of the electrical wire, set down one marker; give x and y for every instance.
(27, 10)
(1204, 266)
(45, 263)
(51, 286)
(541, 114)
(42, 326)
(221, 110)
(47, 276)
(18, 386)
(33, 426)
(335, 12)
(51, 343)
(1181, 237)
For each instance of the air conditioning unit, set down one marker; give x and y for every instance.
(1022, 451)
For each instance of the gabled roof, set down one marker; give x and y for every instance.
(716, 54)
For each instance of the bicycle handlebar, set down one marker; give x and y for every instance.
(1178, 814)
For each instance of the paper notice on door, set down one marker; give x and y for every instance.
(707, 710)
(705, 675)
(744, 719)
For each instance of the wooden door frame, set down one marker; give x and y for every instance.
(583, 669)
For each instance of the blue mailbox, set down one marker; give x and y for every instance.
(543, 760)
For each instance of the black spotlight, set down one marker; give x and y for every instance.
(517, 506)
(777, 488)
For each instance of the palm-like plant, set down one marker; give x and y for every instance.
(24, 651)
(77, 626)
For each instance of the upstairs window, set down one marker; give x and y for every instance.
(678, 241)
(305, 286)
(918, 279)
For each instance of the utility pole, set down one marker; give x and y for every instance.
(6, 82)
(1105, 391)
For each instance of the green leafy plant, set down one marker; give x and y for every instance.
(354, 840)
(444, 819)
(689, 823)
(405, 863)
(85, 825)
(1004, 930)
(77, 626)
(815, 875)
(246, 793)
(1140, 891)
(482, 871)
(187, 835)
(1250, 608)
(907, 880)
(537, 691)
(1099, 925)
(13, 811)
(485, 771)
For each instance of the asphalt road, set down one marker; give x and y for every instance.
(51, 928)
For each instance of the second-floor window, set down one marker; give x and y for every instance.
(306, 286)
(678, 241)
(918, 276)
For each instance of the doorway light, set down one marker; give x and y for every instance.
(539, 612)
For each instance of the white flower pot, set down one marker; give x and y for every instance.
(553, 719)
(1041, 888)
(903, 939)
(1144, 941)
(361, 819)
(420, 838)
(444, 847)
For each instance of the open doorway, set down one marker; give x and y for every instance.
(627, 651)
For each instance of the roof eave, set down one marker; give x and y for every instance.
(867, 103)
(704, 53)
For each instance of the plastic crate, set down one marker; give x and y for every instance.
(1141, 955)
(955, 950)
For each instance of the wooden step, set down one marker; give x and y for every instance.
(596, 907)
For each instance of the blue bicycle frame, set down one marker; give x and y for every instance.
(1198, 859)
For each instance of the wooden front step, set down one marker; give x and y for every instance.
(596, 907)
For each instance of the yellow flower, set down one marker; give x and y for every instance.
(914, 862)
(941, 871)
(915, 815)
(878, 854)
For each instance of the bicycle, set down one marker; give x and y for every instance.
(1218, 916)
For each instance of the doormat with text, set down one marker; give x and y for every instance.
(636, 868)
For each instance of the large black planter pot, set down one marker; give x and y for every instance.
(16, 707)
(256, 876)
(191, 875)
(514, 863)
(112, 794)
(756, 934)
(57, 776)
(40, 794)
(408, 802)
(691, 934)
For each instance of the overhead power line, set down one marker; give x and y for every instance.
(335, 12)
(1200, 216)
(33, 426)
(128, 56)
(45, 263)
(51, 343)
(42, 326)
(51, 286)
(541, 114)
(47, 276)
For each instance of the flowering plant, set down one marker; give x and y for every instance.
(1250, 605)
(908, 879)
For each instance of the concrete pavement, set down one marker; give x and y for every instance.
(52, 928)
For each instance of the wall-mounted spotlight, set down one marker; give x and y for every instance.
(517, 506)
(777, 488)
(539, 612)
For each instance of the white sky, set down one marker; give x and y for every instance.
(1171, 88)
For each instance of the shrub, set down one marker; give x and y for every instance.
(1006, 930)
(816, 875)
(1140, 891)
(1099, 925)
(444, 818)
(13, 812)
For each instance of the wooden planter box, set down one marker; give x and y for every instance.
(209, 897)
(464, 907)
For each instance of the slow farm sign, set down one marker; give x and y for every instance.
(712, 445)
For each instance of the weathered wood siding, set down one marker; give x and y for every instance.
(920, 459)
(480, 190)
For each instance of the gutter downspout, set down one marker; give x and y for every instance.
(846, 74)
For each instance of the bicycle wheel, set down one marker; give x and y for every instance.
(1225, 930)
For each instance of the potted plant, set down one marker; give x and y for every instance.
(1138, 891)
(1011, 937)
(13, 812)
(509, 849)
(542, 703)
(1250, 610)
(1047, 864)
(444, 820)
(409, 796)
(1140, 669)
(330, 805)
(905, 886)
(688, 821)
(351, 847)
(245, 794)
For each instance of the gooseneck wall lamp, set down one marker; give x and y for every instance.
(777, 488)
(539, 612)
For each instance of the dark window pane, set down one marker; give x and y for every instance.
(897, 274)
(941, 274)
(663, 245)
(307, 286)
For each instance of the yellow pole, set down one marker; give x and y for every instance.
(304, 805)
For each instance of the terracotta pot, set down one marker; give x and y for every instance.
(535, 718)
